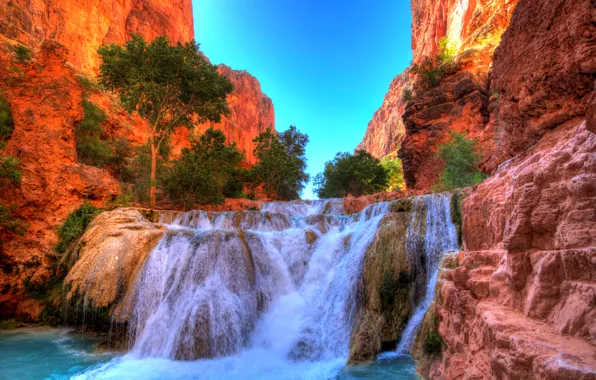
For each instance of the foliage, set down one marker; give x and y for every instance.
(9, 170)
(407, 94)
(461, 164)
(282, 162)
(74, 226)
(433, 343)
(9, 224)
(8, 324)
(23, 53)
(357, 174)
(169, 85)
(456, 216)
(91, 148)
(395, 173)
(88, 83)
(6, 122)
(203, 172)
(431, 70)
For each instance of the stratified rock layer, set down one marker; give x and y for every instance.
(522, 301)
(473, 26)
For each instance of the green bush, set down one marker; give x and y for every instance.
(461, 164)
(433, 343)
(91, 149)
(357, 174)
(6, 122)
(395, 173)
(23, 53)
(88, 84)
(203, 172)
(74, 226)
(407, 94)
(430, 71)
(8, 324)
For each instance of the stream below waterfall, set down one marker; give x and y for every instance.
(252, 295)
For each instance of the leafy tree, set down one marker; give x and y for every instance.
(395, 173)
(169, 85)
(137, 171)
(357, 174)
(74, 226)
(282, 162)
(461, 164)
(91, 149)
(202, 172)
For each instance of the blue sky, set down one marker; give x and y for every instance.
(326, 64)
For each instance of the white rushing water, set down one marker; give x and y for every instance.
(266, 294)
(439, 236)
(282, 280)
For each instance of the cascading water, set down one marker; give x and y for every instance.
(265, 294)
(432, 235)
(283, 279)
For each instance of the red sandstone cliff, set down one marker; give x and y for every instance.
(84, 25)
(474, 27)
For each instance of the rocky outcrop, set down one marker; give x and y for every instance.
(473, 27)
(522, 301)
(544, 72)
(114, 249)
(459, 104)
(386, 130)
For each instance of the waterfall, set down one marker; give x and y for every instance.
(283, 280)
(430, 232)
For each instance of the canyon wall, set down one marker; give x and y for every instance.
(420, 123)
(45, 93)
(521, 300)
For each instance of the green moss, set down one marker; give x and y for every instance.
(456, 215)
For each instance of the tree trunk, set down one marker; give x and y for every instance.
(152, 179)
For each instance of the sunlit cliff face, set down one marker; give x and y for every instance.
(83, 26)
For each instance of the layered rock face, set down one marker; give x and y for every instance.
(474, 28)
(522, 301)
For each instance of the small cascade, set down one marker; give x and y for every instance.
(282, 279)
(430, 234)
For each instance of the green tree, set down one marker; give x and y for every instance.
(461, 164)
(395, 173)
(169, 85)
(357, 174)
(281, 163)
(202, 172)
